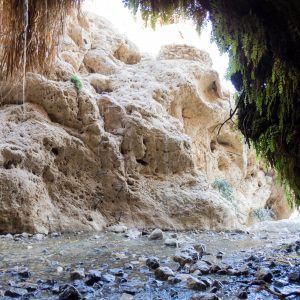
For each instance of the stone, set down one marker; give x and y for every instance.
(152, 262)
(264, 274)
(294, 277)
(171, 242)
(107, 278)
(77, 274)
(242, 294)
(69, 292)
(14, 292)
(204, 296)
(173, 279)
(126, 296)
(156, 234)
(196, 284)
(23, 272)
(163, 273)
(117, 228)
(117, 272)
(93, 276)
(202, 266)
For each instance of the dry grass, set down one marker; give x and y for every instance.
(44, 23)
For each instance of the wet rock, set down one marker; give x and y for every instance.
(242, 294)
(15, 292)
(23, 272)
(128, 266)
(77, 274)
(173, 279)
(117, 228)
(294, 277)
(38, 237)
(207, 281)
(126, 296)
(215, 268)
(156, 234)
(219, 255)
(182, 259)
(152, 262)
(117, 272)
(163, 273)
(264, 274)
(205, 296)
(93, 276)
(202, 266)
(196, 284)
(190, 250)
(31, 287)
(171, 242)
(69, 292)
(108, 278)
(253, 258)
(200, 248)
(217, 284)
(280, 283)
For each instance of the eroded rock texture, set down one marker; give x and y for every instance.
(137, 144)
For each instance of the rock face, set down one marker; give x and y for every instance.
(137, 144)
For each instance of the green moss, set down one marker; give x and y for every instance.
(224, 189)
(77, 82)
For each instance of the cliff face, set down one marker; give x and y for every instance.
(136, 144)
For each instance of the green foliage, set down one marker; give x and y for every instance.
(77, 82)
(263, 214)
(263, 41)
(224, 189)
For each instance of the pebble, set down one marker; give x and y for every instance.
(202, 266)
(93, 276)
(77, 274)
(116, 272)
(196, 284)
(156, 234)
(69, 292)
(264, 274)
(117, 228)
(171, 242)
(15, 292)
(174, 279)
(152, 262)
(163, 273)
(242, 294)
(294, 277)
(126, 296)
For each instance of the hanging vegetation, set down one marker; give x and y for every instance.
(34, 25)
(263, 41)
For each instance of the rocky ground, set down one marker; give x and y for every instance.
(144, 264)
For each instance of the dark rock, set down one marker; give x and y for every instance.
(128, 266)
(69, 292)
(294, 277)
(182, 259)
(92, 277)
(152, 262)
(217, 284)
(264, 274)
(253, 258)
(163, 273)
(219, 255)
(215, 268)
(196, 284)
(173, 280)
(77, 274)
(31, 287)
(207, 281)
(117, 272)
(24, 272)
(204, 296)
(15, 292)
(242, 294)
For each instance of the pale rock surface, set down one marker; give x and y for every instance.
(138, 144)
